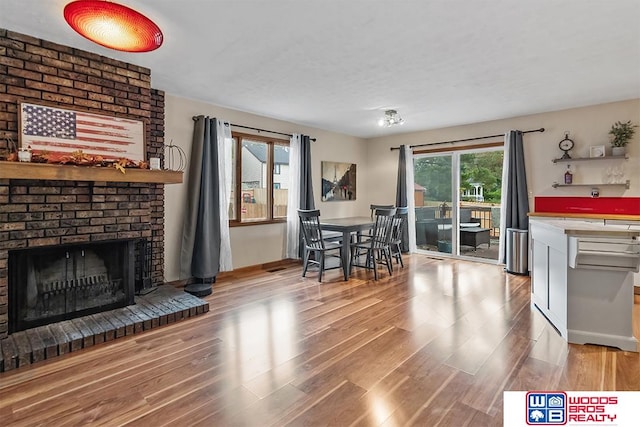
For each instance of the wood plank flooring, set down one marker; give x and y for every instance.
(435, 344)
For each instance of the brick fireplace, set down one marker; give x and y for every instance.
(39, 213)
(78, 209)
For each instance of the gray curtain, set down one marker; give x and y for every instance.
(516, 197)
(200, 254)
(401, 196)
(306, 185)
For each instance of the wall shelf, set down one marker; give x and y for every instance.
(625, 184)
(18, 170)
(580, 159)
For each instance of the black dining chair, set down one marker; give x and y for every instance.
(315, 244)
(374, 207)
(373, 211)
(376, 248)
(396, 234)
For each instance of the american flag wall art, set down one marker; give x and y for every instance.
(56, 130)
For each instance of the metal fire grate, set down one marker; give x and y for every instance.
(62, 282)
(143, 283)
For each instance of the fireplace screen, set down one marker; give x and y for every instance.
(51, 284)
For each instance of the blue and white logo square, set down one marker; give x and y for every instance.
(546, 408)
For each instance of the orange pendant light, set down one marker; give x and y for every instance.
(113, 25)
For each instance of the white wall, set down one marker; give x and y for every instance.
(377, 165)
(586, 126)
(253, 245)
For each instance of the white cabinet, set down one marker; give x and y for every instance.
(582, 280)
(548, 276)
(540, 274)
(633, 225)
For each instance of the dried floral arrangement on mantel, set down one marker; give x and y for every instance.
(76, 158)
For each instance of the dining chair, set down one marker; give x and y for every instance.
(315, 243)
(359, 236)
(374, 207)
(377, 247)
(373, 211)
(396, 235)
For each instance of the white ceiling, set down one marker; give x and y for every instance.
(337, 65)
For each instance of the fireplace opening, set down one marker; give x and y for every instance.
(51, 284)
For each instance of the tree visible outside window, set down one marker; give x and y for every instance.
(482, 170)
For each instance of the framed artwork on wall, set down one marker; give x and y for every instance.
(338, 181)
(57, 130)
(596, 151)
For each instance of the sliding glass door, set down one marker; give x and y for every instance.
(457, 199)
(433, 193)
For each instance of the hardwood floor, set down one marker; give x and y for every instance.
(435, 344)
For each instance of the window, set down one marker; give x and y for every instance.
(260, 195)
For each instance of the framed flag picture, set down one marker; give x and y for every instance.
(46, 129)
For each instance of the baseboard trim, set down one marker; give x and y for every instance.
(266, 266)
(283, 263)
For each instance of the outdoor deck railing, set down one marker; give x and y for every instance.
(489, 216)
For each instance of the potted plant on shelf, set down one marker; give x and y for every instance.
(622, 133)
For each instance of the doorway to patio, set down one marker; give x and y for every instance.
(458, 198)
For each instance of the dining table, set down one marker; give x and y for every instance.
(347, 226)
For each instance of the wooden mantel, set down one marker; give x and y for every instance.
(18, 170)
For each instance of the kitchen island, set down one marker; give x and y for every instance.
(582, 280)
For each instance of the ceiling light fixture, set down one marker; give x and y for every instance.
(113, 25)
(391, 118)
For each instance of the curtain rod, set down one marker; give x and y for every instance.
(257, 129)
(466, 139)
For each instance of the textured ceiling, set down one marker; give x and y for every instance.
(337, 65)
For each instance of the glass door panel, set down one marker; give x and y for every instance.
(480, 182)
(433, 201)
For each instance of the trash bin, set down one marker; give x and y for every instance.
(517, 253)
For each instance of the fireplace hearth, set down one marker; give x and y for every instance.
(51, 284)
(164, 306)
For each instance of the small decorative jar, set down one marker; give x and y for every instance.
(24, 155)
